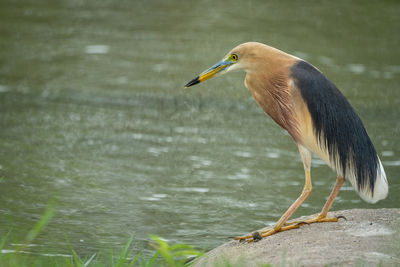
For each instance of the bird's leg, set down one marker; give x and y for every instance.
(280, 225)
(332, 196)
(322, 216)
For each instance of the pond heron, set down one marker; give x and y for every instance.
(300, 99)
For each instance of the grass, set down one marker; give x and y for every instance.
(164, 254)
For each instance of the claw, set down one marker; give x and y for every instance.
(240, 238)
(341, 217)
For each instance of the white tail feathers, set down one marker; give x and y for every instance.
(380, 190)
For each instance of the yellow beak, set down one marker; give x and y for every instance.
(211, 72)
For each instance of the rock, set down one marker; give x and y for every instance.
(369, 237)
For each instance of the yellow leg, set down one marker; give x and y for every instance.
(332, 196)
(296, 224)
(322, 216)
(280, 225)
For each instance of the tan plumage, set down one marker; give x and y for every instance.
(270, 87)
(300, 99)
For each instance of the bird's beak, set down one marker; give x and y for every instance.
(218, 68)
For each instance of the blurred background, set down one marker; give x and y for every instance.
(93, 113)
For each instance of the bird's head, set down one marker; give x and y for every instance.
(237, 59)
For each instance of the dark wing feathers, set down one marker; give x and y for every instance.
(336, 125)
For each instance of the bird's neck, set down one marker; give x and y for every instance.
(271, 91)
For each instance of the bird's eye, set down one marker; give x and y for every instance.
(234, 57)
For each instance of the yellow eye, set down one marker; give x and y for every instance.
(234, 57)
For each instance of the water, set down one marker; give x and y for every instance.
(93, 114)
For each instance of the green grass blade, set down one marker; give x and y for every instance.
(89, 260)
(123, 255)
(111, 258)
(187, 253)
(163, 248)
(41, 224)
(181, 246)
(75, 256)
(3, 242)
(152, 261)
(134, 259)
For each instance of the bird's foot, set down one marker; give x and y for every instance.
(257, 236)
(318, 219)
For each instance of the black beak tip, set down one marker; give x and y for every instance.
(192, 82)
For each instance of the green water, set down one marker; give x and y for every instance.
(93, 113)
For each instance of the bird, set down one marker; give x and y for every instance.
(317, 116)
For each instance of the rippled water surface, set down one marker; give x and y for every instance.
(93, 114)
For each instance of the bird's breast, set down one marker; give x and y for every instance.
(272, 94)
